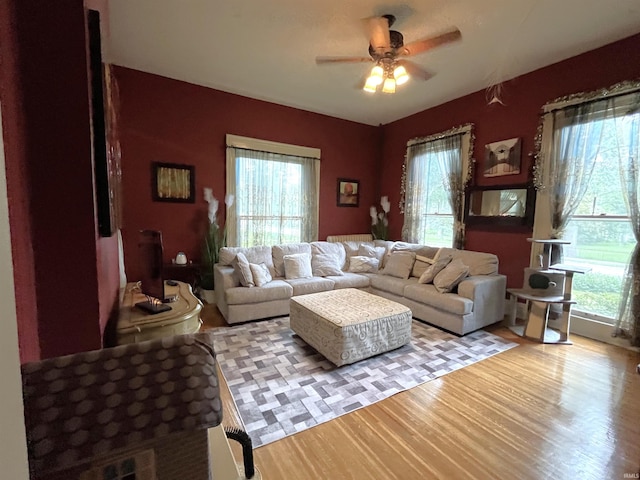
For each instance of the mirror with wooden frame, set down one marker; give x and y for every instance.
(500, 205)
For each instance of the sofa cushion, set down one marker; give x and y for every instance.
(373, 252)
(350, 280)
(274, 290)
(391, 284)
(399, 264)
(421, 264)
(297, 265)
(303, 286)
(259, 254)
(362, 264)
(243, 270)
(323, 265)
(260, 273)
(430, 273)
(336, 250)
(450, 276)
(479, 263)
(449, 302)
(351, 249)
(279, 251)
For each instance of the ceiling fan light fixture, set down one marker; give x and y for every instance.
(371, 84)
(377, 74)
(389, 85)
(400, 74)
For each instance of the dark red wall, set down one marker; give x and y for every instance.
(523, 98)
(171, 121)
(65, 285)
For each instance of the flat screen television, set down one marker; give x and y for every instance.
(150, 254)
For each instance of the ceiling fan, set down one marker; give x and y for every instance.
(388, 51)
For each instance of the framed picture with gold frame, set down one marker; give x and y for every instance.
(172, 182)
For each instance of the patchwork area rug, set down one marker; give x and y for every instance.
(282, 386)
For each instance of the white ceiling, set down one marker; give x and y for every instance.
(266, 49)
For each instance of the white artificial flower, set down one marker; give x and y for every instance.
(374, 214)
(208, 194)
(213, 209)
(384, 202)
(228, 200)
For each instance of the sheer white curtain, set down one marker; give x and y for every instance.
(628, 141)
(276, 197)
(448, 152)
(446, 155)
(576, 135)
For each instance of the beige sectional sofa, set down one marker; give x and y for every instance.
(467, 293)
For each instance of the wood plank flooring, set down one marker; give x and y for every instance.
(533, 412)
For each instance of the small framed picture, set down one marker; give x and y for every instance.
(173, 183)
(348, 192)
(502, 158)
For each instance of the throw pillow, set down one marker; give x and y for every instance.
(363, 264)
(399, 264)
(261, 274)
(242, 268)
(373, 252)
(422, 263)
(430, 272)
(297, 265)
(450, 276)
(324, 264)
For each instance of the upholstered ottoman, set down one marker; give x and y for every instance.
(348, 325)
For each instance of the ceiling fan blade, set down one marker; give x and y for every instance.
(326, 60)
(377, 30)
(415, 71)
(420, 46)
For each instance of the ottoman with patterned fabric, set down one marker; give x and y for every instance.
(348, 325)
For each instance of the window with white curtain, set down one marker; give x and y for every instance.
(275, 187)
(585, 149)
(436, 171)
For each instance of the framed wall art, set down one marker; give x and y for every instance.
(502, 158)
(348, 192)
(173, 182)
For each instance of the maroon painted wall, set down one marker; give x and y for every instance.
(171, 121)
(65, 286)
(523, 98)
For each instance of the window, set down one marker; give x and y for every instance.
(437, 170)
(276, 192)
(599, 227)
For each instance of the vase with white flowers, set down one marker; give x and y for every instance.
(379, 220)
(215, 238)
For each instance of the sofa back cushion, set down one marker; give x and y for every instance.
(479, 263)
(327, 258)
(279, 251)
(258, 254)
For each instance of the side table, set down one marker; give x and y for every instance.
(188, 273)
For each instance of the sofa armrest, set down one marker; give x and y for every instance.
(487, 293)
(224, 278)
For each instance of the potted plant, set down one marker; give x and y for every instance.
(215, 238)
(379, 220)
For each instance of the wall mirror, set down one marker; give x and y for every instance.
(506, 205)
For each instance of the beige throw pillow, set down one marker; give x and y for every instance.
(363, 264)
(324, 264)
(422, 263)
(399, 264)
(432, 270)
(297, 265)
(450, 276)
(242, 268)
(261, 274)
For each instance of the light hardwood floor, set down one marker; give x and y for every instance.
(533, 412)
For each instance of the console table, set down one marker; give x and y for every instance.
(135, 325)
